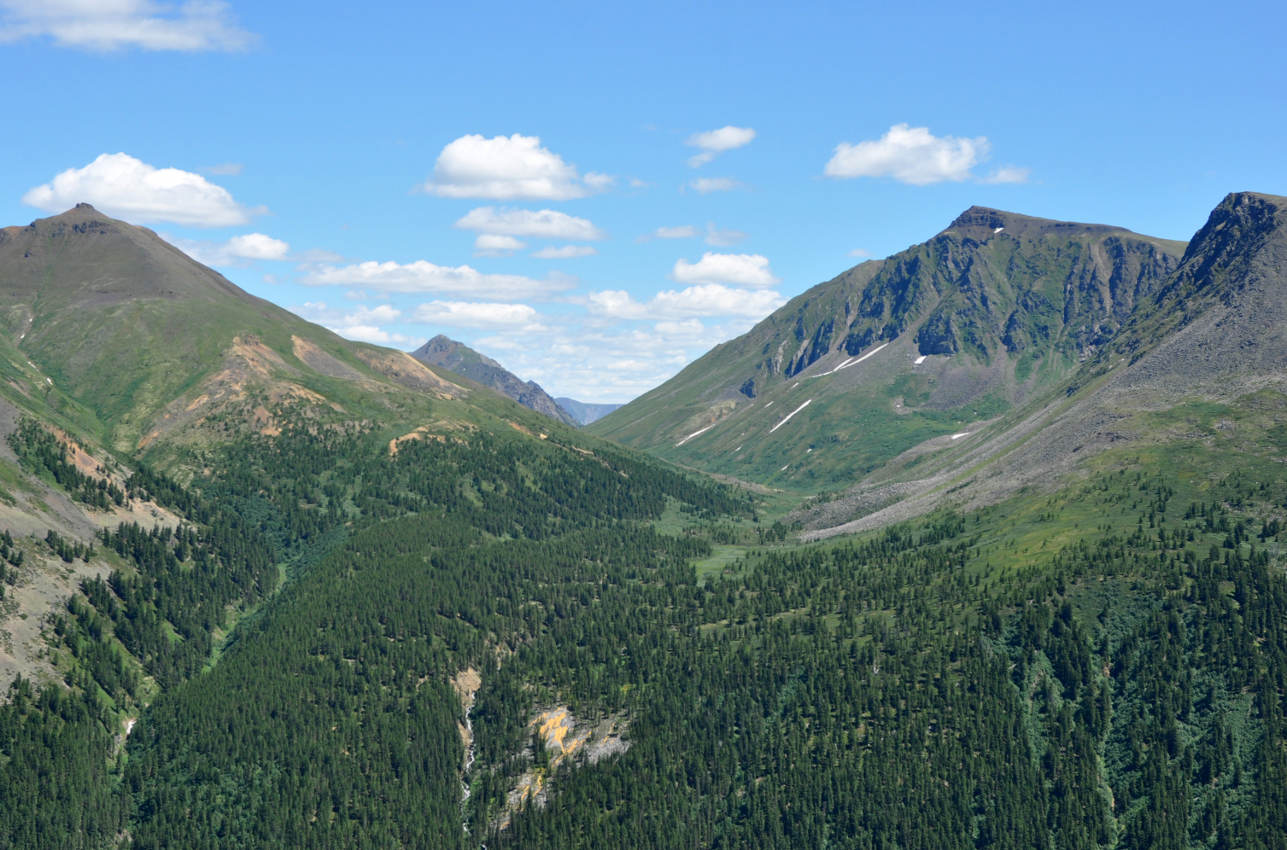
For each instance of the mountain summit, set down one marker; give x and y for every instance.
(463, 360)
(988, 313)
(82, 257)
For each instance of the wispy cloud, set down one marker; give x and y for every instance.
(722, 238)
(496, 245)
(693, 301)
(564, 252)
(476, 314)
(538, 224)
(706, 185)
(426, 277)
(1008, 174)
(714, 142)
(359, 323)
(196, 25)
(683, 231)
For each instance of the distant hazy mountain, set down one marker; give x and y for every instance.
(463, 360)
(994, 310)
(583, 412)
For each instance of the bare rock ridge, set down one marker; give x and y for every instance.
(463, 360)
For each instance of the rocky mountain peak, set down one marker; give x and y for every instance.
(1238, 223)
(463, 360)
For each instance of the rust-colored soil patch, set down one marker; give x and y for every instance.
(406, 370)
(321, 361)
(433, 431)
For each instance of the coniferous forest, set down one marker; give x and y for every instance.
(289, 660)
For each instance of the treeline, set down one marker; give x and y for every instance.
(45, 454)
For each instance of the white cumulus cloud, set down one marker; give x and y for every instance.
(714, 142)
(694, 301)
(477, 314)
(910, 155)
(233, 252)
(496, 245)
(508, 167)
(564, 252)
(738, 269)
(257, 246)
(706, 185)
(122, 186)
(538, 224)
(115, 24)
(423, 276)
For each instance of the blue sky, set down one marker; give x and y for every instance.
(596, 196)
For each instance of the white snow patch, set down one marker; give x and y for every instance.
(767, 406)
(129, 725)
(783, 469)
(808, 451)
(960, 435)
(694, 434)
(49, 381)
(796, 384)
(736, 450)
(789, 415)
(852, 361)
(997, 229)
(920, 360)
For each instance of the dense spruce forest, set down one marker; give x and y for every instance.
(1099, 667)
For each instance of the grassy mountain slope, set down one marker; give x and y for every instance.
(127, 339)
(989, 313)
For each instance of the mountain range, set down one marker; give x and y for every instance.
(261, 586)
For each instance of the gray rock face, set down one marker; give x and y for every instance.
(992, 285)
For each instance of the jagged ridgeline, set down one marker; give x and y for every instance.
(991, 311)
